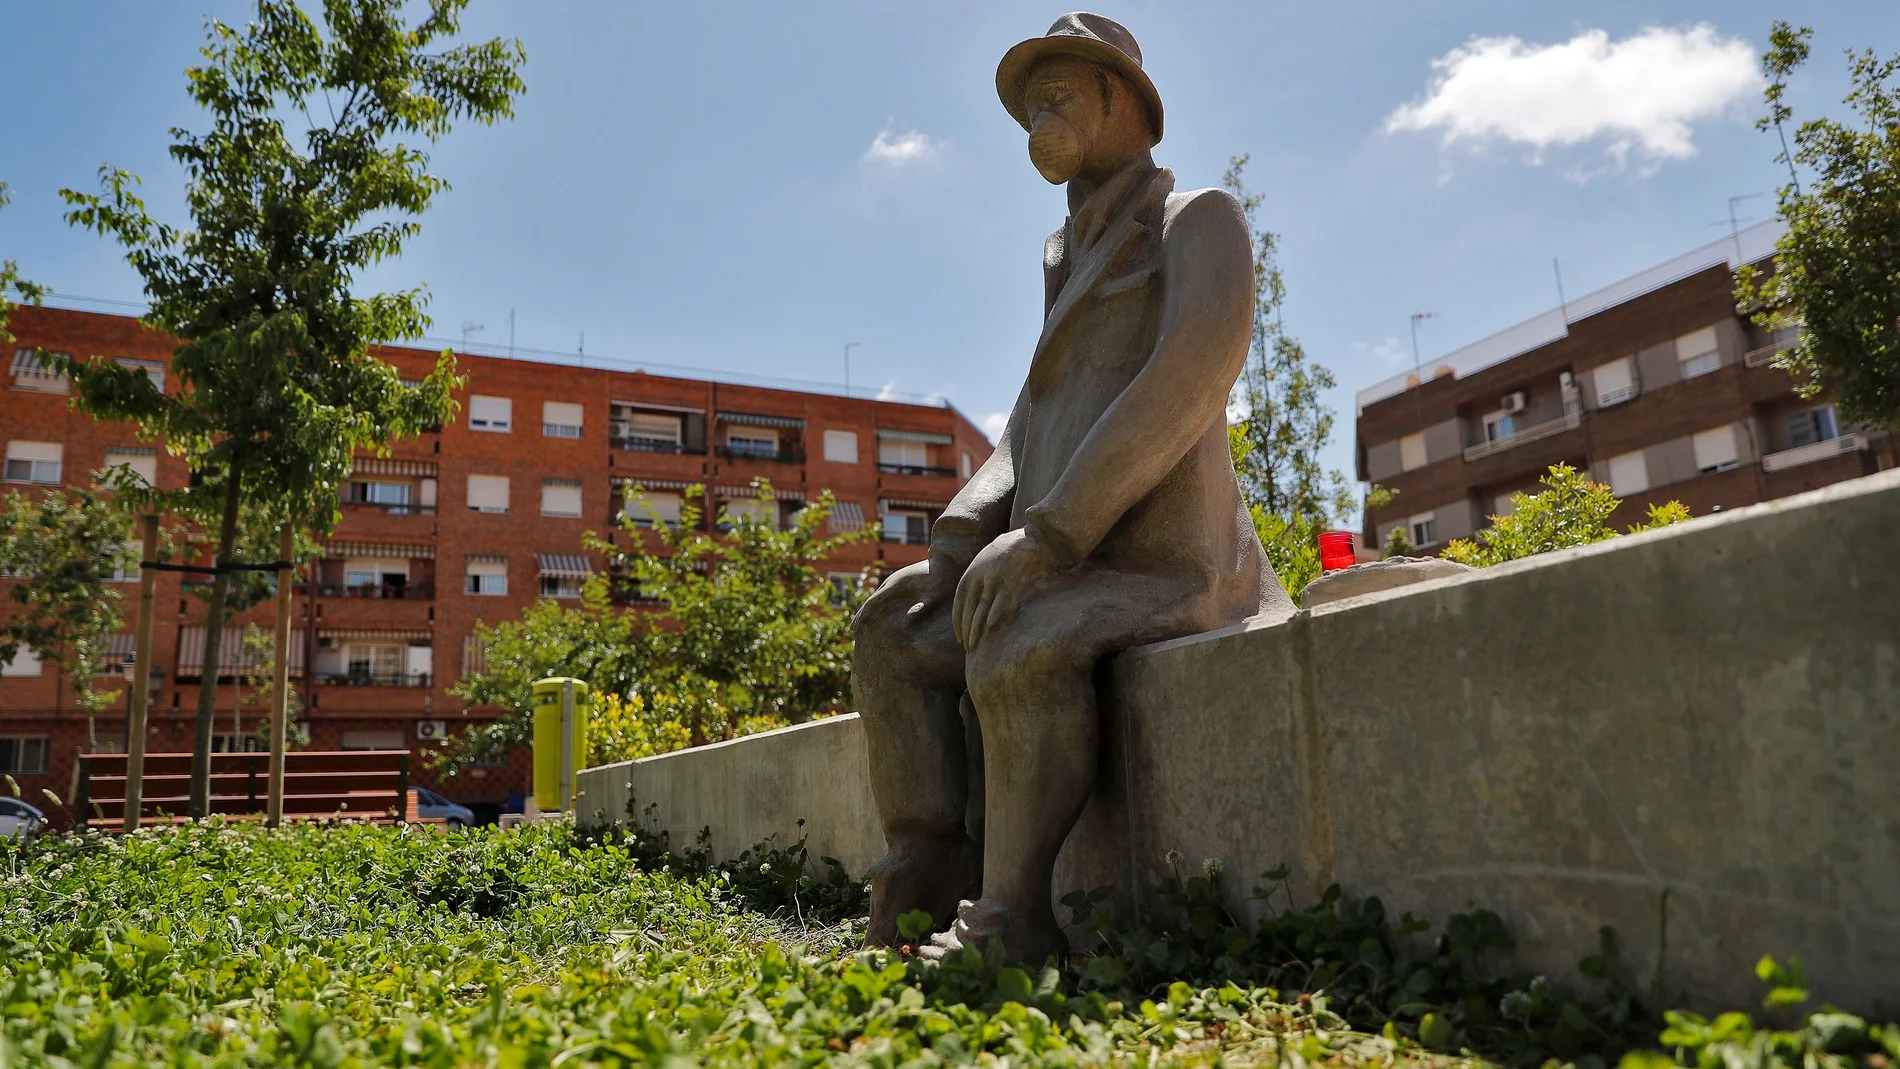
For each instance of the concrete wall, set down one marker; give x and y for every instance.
(1702, 723)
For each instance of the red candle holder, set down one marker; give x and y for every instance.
(1335, 551)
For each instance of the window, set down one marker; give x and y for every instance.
(1699, 353)
(25, 662)
(1501, 505)
(560, 419)
(1412, 451)
(898, 453)
(966, 465)
(490, 413)
(650, 432)
(143, 462)
(152, 368)
(749, 508)
(1814, 425)
(487, 575)
(1499, 426)
(392, 497)
(641, 508)
(1614, 383)
(377, 576)
(488, 493)
(841, 447)
(24, 755)
(1629, 474)
(1424, 529)
(560, 586)
(908, 527)
(843, 585)
(752, 442)
(563, 573)
(374, 664)
(33, 462)
(560, 497)
(371, 740)
(1715, 450)
(30, 374)
(122, 564)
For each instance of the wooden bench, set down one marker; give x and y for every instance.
(370, 785)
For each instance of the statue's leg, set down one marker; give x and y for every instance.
(1032, 682)
(907, 677)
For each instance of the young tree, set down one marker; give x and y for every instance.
(305, 177)
(1570, 511)
(724, 634)
(1837, 270)
(1286, 424)
(65, 547)
(13, 288)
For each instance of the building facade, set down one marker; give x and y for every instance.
(1654, 385)
(470, 523)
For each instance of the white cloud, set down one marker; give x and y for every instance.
(994, 424)
(897, 149)
(1389, 351)
(1641, 94)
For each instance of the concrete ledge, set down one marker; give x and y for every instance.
(1700, 724)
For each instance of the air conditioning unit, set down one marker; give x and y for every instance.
(1516, 402)
(432, 730)
(619, 429)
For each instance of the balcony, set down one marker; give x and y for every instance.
(1813, 452)
(785, 454)
(407, 592)
(1547, 429)
(1765, 355)
(374, 679)
(915, 469)
(389, 508)
(905, 538)
(638, 444)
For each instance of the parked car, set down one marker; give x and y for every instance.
(19, 820)
(432, 806)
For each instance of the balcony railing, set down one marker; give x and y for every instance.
(906, 538)
(374, 679)
(914, 469)
(784, 454)
(391, 508)
(409, 592)
(1813, 451)
(653, 445)
(1765, 355)
(1546, 429)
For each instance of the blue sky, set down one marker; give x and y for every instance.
(747, 187)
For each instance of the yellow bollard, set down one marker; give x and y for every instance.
(560, 741)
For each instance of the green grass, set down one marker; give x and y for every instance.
(355, 945)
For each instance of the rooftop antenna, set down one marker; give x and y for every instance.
(1418, 368)
(848, 346)
(469, 327)
(1563, 303)
(582, 350)
(511, 333)
(1735, 222)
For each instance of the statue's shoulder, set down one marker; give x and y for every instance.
(1199, 213)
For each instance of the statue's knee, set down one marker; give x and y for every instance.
(1012, 666)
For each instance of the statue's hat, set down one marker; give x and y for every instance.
(1091, 37)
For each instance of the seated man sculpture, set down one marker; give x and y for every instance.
(1109, 516)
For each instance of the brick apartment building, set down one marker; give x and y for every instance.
(1653, 385)
(473, 522)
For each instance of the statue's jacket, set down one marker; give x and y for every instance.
(1106, 406)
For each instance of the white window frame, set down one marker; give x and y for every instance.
(841, 447)
(23, 745)
(904, 536)
(561, 586)
(559, 488)
(664, 502)
(1628, 473)
(1412, 452)
(758, 437)
(1422, 529)
(154, 370)
(27, 663)
(562, 419)
(487, 481)
(1710, 457)
(1494, 420)
(1822, 414)
(737, 508)
(142, 464)
(1698, 353)
(1621, 372)
(485, 578)
(35, 462)
(490, 413)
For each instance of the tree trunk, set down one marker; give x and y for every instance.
(280, 682)
(136, 701)
(200, 806)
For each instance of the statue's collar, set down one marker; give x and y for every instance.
(1109, 200)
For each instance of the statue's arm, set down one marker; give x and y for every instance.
(1207, 321)
(980, 511)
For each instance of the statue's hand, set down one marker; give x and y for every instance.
(996, 581)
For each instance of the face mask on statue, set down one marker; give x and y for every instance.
(1055, 147)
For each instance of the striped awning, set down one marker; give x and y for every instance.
(889, 503)
(565, 565)
(627, 483)
(378, 549)
(753, 420)
(391, 466)
(845, 516)
(914, 436)
(752, 492)
(378, 634)
(233, 658)
(653, 407)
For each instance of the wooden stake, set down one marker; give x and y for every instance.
(280, 682)
(140, 697)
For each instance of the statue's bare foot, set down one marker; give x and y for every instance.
(933, 875)
(978, 922)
